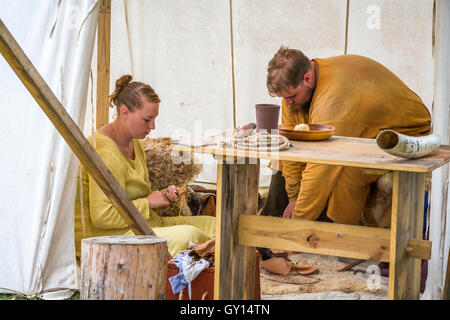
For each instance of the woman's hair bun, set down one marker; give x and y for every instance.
(121, 83)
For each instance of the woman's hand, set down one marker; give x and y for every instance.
(173, 193)
(158, 199)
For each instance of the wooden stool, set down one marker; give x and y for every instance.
(123, 268)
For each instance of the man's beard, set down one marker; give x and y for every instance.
(302, 107)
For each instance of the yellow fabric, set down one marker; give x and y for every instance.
(101, 218)
(359, 97)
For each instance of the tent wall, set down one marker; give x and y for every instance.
(38, 169)
(184, 52)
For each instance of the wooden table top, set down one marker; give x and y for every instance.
(344, 151)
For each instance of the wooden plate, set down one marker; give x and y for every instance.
(316, 132)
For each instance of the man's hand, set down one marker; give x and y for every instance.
(288, 211)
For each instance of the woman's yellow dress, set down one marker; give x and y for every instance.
(95, 215)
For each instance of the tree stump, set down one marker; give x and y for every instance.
(123, 268)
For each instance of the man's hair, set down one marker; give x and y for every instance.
(286, 70)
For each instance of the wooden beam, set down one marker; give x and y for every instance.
(314, 237)
(323, 238)
(234, 277)
(406, 224)
(103, 62)
(378, 172)
(420, 249)
(62, 121)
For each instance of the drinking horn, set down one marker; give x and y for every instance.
(405, 146)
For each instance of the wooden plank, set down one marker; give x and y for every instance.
(251, 202)
(103, 62)
(234, 265)
(378, 172)
(406, 224)
(62, 121)
(323, 238)
(419, 249)
(314, 237)
(219, 266)
(344, 151)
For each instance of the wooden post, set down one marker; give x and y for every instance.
(123, 268)
(103, 62)
(406, 223)
(62, 121)
(237, 193)
(446, 294)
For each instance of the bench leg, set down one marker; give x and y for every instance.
(406, 223)
(237, 193)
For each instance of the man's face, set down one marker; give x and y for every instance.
(299, 98)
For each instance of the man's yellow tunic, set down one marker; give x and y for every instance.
(96, 216)
(359, 97)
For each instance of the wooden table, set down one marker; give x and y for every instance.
(239, 230)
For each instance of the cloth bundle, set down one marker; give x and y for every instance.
(191, 262)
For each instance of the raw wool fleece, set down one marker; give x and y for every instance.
(163, 172)
(380, 199)
(328, 278)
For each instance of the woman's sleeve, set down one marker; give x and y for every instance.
(103, 214)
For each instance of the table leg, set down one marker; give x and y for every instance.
(237, 193)
(406, 223)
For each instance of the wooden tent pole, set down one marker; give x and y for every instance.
(103, 62)
(232, 65)
(446, 294)
(62, 121)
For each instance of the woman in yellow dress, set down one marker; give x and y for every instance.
(118, 145)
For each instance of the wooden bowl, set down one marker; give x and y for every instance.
(316, 132)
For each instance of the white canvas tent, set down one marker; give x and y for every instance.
(185, 50)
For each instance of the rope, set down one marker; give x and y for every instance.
(261, 141)
(346, 27)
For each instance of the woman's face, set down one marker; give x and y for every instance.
(142, 121)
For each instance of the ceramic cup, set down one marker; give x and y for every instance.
(267, 116)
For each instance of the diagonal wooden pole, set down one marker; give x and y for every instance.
(62, 121)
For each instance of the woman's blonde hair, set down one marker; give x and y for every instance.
(130, 93)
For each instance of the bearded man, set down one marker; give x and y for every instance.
(356, 95)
